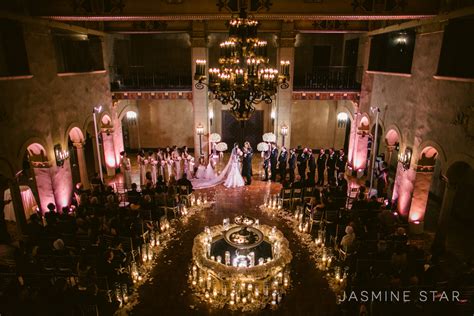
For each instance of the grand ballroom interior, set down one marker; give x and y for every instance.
(228, 157)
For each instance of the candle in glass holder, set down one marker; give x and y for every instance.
(219, 259)
(227, 258)
(274, 297)
(261, 261)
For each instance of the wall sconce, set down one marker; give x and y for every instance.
(405, 158)
(211, 116)
(60, 155)
(283, 132)
(273, 116)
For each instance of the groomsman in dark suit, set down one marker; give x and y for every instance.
(341, 162)
(274, 161)
(321, 166)
(302, 162)
(311, 166)
(331, 165)
(266, 160)
(247, 163)
(282, 162)
(292, 165)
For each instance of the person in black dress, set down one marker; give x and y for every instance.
(331, 165)
(302, 161)
(247, 163)
(292, 165)
(311, 166)
(274, 161)
(321, 166)
(282, 162)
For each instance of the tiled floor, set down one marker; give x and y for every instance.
(168, 292)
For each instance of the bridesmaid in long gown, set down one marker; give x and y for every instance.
(141, 161)
(126, 169)
(152, 161)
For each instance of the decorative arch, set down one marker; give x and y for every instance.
(458, 158)
(429, 143)
(343, 107)
(393, 128)
(106, 116)
(87, 122)
(126, 108)
(75, 133)
(364, 120)
(27, 143)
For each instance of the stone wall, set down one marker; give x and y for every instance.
(424, 109)
(43, 108)
(314, 123)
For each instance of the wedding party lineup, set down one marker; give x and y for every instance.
(236, 157)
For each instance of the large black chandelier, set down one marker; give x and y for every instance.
(244, 77)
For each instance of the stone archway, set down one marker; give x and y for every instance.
(78, 161)
(456, 216)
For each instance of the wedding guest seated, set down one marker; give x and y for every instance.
(400, 238)
(133, 196)
(347, 241)
(341, 184)
(382, 251)
(360, 203)
(148, 190)
(160, 184)
(184, 181)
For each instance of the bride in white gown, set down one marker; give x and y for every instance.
(234, 177)
(230, 175)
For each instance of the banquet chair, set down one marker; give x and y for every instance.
(296, 196)
(172, 205)
(285, 195)
(185, 194)
(308, 193)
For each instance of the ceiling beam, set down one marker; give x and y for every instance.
(50, 24)
(258, 16)
(436, 19)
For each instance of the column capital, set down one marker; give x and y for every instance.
(79, 145)
(287, 34)
(198, 34)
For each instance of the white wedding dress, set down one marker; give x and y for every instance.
(230, 175)
(234, 178)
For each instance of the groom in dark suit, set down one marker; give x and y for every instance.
(247, 163)
(274, 161)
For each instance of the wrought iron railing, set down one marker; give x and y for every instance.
(137, 79)
(333, 78)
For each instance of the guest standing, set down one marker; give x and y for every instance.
(311, 166)
(141, 161)
(302, 162)
(331, 166)
(126, 168)
(321, 166)
(282, 163)
(292, 165)
(341, 162)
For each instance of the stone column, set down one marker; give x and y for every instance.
(18, 207)
(439, 243)
(82, 165)
(118, 134)
(200, 99)
(286, 51)
(109, 152)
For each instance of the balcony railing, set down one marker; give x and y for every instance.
(140, 79)
(334, 78)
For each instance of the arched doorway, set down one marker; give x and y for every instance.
(343, 131)
(392, 145)
(131, 131)
(460, 217)
(77, 157)
(428, 189)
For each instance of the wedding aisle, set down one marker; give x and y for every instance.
(168, 293)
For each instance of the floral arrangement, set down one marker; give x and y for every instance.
(262, 146)
(269, 137)
(214, 138)
(221, 147)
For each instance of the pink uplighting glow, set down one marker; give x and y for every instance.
(109, 151)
